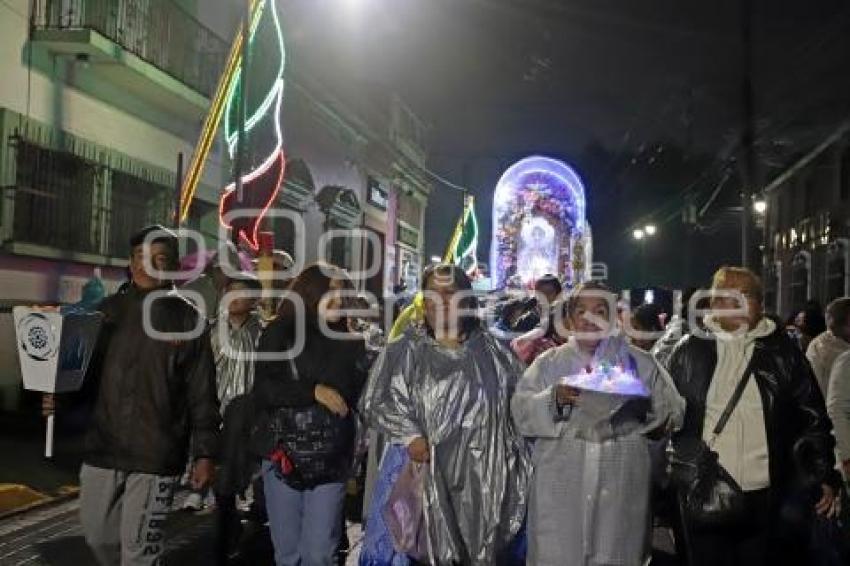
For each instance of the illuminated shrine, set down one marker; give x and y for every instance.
(539, 225)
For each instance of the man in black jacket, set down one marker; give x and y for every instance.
(153, 392)
(776, 444)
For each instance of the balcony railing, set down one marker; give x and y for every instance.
(158, 31)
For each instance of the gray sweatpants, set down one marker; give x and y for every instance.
(123, 515)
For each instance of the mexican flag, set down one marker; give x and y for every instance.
(463, 247)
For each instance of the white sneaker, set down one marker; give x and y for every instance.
(193, 502)
(244, 502)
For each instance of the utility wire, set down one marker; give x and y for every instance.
(820, 39)
(442, 180)
(714, 195)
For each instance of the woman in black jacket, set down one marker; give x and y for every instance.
(305, 427)
(776, 444)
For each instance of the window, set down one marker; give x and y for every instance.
(407, 130)
(409, 269)
(61, 201)
(409, 209)
(136, 203)
(771, 288)
(375, 257)
(836, 270)
(800, 281)
(55, 199)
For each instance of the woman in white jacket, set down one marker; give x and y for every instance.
(838, 407)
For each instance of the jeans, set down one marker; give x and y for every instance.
(305, 525)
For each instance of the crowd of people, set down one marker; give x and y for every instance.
(486, 443)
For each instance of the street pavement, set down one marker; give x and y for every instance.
(52, 536)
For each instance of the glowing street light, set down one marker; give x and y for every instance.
(650, 229)
(760, 206)
(436, 259)
(638, 234)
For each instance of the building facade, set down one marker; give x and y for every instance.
(356, 173)
(99, 103)
(806, 230)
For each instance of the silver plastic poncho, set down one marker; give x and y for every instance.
(589, 500)
(476, 485)
(234, 359)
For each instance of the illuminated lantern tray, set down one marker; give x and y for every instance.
(608, 379)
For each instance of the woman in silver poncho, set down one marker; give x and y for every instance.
(589, 501)
(443, 391)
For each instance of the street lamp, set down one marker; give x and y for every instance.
(642, 235)
(760, 206)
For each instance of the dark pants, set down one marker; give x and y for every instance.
(760, 543)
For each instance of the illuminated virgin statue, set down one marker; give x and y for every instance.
(537, 249)
(539, 224)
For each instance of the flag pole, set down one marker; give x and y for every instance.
(448, 257)
(415, 311)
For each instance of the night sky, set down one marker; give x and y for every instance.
(643, 99)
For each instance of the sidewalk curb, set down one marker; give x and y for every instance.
(70, 494)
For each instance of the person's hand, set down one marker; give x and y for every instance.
(48, 404)
(45, 308)
(203, 474)
(330, 398)
(661, 431)
(419, 451)
(829, 505)
(566, 395)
